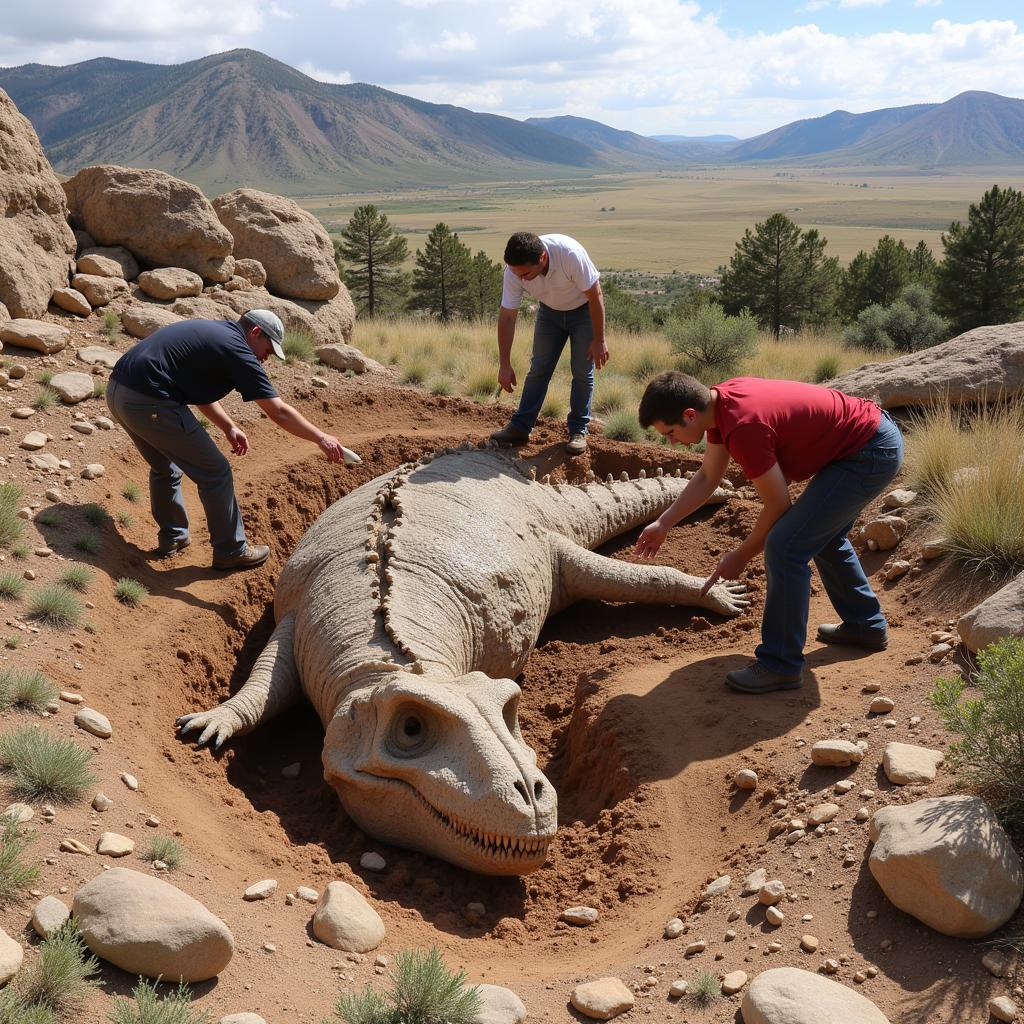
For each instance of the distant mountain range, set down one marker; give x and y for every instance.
(243, 118)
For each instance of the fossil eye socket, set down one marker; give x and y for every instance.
(411, 733)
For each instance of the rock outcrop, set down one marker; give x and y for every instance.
(985, 363)
(947, 862)
(162, 220)
(291, 244)
(789, 995)
(34, 334)
(36, 244)
(998, 616)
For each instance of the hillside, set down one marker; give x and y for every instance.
(243, 117)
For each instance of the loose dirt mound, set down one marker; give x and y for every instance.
(624, 705)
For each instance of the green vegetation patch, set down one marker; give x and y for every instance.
(44, 767)
(147, 1006)
(130, 592)
(57, 606)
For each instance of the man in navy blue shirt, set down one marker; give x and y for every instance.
(197, 362)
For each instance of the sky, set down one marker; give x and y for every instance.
(680, 67)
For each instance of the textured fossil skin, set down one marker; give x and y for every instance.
(404, 615)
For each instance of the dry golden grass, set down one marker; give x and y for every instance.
(462, 359)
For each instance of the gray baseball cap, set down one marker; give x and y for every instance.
(270, 324)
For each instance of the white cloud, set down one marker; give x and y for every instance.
(927, 3)
(863, 3)
(344, 5)
(816, 5)
(281, 12)
(334, 77)
(457, 42)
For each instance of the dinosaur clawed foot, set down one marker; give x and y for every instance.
(220, 724)
(726, 599)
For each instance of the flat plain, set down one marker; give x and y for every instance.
(685, 220)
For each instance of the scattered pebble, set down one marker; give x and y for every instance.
(745, 778)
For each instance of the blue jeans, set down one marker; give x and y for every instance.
(171, 439)
(550, 332)
(816, 527)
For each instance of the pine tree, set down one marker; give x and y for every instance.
(981, 277)
(441, 280)
(922, 265)
(774, 272)
(876, 278)
(485, 278)
(373, 253)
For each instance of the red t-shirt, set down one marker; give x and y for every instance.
(802, 427)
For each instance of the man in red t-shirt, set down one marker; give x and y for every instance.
(782, 432)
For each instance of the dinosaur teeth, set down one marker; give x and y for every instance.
(642, 475)
(660, 471)
(623, 476)
(546, 478)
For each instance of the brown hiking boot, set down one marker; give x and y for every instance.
(576, 445)
(248, 558)
(509, 437)
(166, 550)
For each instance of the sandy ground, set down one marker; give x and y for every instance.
(625, 705)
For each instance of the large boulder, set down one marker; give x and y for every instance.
(789, 995)
(998, 616)
(98, 265)
(324, 322)
(344, 920)
(170, 283)
(147, 926)
(118, 253)
(71, 301)
(345, 357)
(34, 334)
(164, 221)
(99, 290)
(142, 319)
(947, 862)
(36, 244)
(333, 320)
(986, 363)
(295, 250)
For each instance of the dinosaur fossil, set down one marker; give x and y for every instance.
(404, 615)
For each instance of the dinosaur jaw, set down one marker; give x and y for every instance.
(417, 823)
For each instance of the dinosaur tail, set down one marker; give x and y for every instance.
(596, 512)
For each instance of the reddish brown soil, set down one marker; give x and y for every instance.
(625, 706)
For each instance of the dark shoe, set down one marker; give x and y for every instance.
(576, 445)
(758, 678)
(509, 437)
(248, 558)
(163, 550)
(856, 636)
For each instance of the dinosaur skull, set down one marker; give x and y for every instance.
(440, 765)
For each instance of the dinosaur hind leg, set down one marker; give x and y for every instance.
(584, 574)
(272, 685)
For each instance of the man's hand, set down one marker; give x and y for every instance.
(507, 378)
(599, 353)
(238, 441)
(653, 536)
(332, 448)
(729, 567)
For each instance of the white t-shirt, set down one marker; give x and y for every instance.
(570, 274)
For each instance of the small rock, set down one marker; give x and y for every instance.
(23, 412)
(809, 943)
(602, 999)
(371, 861)
(745, 778)
(93, 722)
(113, 845)
(906, 764)
(995, 964)
(673, 928)
(291, 771)
(49, 916)
(345, 920)
(693, 948)
(718, 886)
(305, 893)
(678, 988)
(11, 957)
(774, 916)
(152, 821)
(580, 916)
(836, 753)
(19, 812)
(73, 846)
(771, 892)
(754, 882)
(733, 982)
(102, 802)
(1003, 1008)
(261, 890)
(34, 440)
(130, 781)
(821, 814)
(93, 471)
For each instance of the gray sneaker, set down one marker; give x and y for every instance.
(758, 678)
(854, 636)
(510, 437)
(248, 558)
(576, 445)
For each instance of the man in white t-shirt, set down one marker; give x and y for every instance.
(556, 270)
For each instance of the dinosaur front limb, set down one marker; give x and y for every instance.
(272, 685)
(584, 574)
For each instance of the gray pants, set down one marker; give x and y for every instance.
(171, 439)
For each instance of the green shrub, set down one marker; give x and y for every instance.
(14, 1010)
(131, 491)
(13, 642)
(989, 753)
(46, 377)
(99, 387)
(612, 395)
(298, 347)
(711, 345)
(827, 368)
(554, 406)
(88, 542)
(623, 426)
(20, 551)
(11, 526)
(12, 586)
(482, 385)
(26, 688)
(149, 1008)
(130, 592)
(44, 399)
(61, 977)
(416, 372)
(423, 991)
(95, 515)
(442, 386)
(43, 766)
(125, 520)
(705, 989)
(111, 323)
(56, 606)
(908, 324)
(77, 577)
(48, 517)
(16, 876)
(167, 849)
